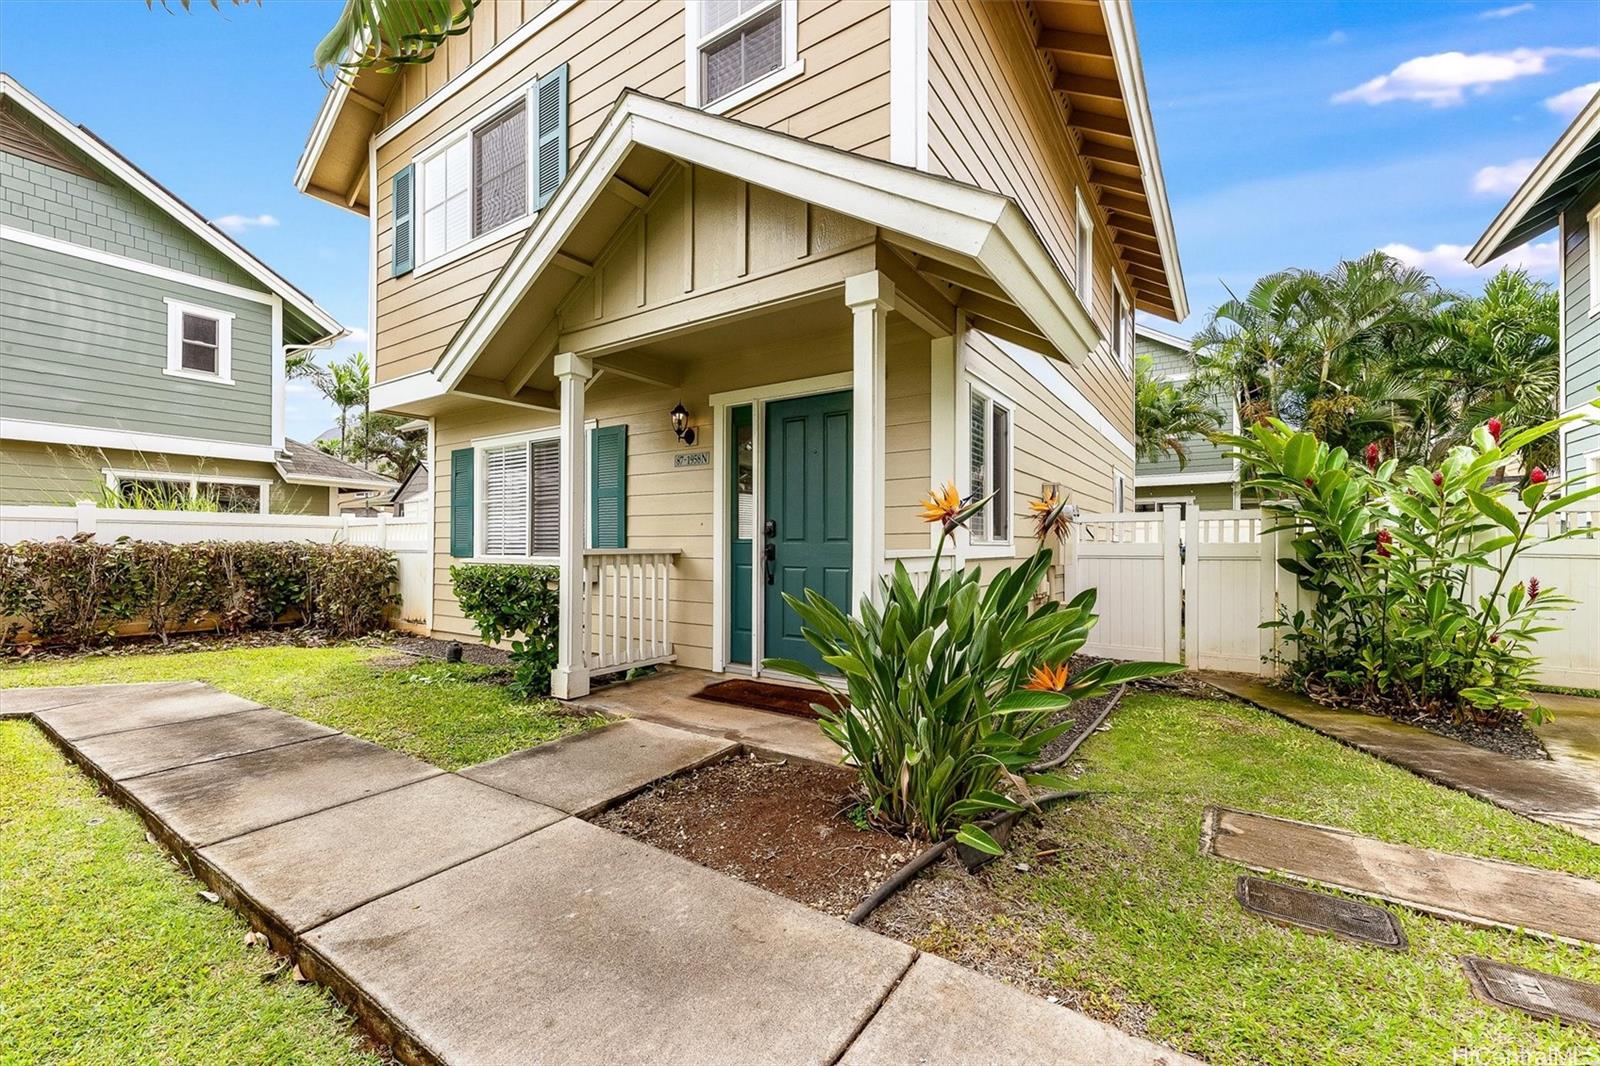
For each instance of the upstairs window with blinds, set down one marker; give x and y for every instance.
(989, 468)
(521, 507)
(500, 169)
(740, 42)
(199, 342)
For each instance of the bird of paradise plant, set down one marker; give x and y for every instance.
(951, 691)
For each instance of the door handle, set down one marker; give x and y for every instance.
(770, 555)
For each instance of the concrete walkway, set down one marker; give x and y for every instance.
(474, 918)
(1560, 792)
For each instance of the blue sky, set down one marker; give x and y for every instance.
(1291, 133)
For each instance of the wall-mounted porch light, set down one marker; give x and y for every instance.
(680, 425)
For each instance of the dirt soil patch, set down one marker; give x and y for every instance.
(782, 826)
(429, 648)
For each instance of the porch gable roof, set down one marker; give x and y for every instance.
(930, 217)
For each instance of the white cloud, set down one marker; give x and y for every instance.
(241, 223)
(1502, 180)
(1445, 78)
(356, 336)
(1446, 261)
(1569, 103)
(1336, 37)
(1505, 12)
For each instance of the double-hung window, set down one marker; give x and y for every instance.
(739, 45)
(1084, 281)
(989, 467)
(521, 511)
(475, 183)
(1121, 329)
(199, 342)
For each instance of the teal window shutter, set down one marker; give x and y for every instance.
(403, 237)
(463, 479)
(608, 487)
(551, 147)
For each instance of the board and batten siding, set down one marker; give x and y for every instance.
(1580, 352)
(101, 213)
(85, 344)
(992, 122)
(841, 100)
(671, 507)
(56, 475)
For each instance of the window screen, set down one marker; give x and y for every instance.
(749, 50)
(199, 344)
(978, 437)
(500, 169)
(546, 497)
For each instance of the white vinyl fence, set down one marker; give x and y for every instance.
(408, 538)
(1206, 610)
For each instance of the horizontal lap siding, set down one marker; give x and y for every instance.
(993, 123)
(1582, 329)
(842, 101)
(1202, 455)
(57, 475)
(86, 344)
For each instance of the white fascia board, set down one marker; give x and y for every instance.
(1151, 333)
(177, 209)
(1124, 42)
(321, 130)
(123, 440)
(1555, 163)
(401, 392)
(948, 214)
(1208, 477)
(355, 482)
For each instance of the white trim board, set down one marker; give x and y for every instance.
(1044, 371)
(177, 209)
(137, 266)
(1204, 477)
(90, 437)
(1151, 333)
(908, 83)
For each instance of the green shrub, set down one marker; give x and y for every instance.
(1389, 558)
(507, 599)
(76, 591)
(952, 690)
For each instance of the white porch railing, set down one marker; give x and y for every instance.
(627, 603)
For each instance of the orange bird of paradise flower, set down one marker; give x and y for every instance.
(942, 505)
(1047, 678)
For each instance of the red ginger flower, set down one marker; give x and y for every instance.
(1533, 589)
(1537, 476)
(1438, 479)
(1311, 482)
(1494, 429)
(1372, 456)
(1385, 538)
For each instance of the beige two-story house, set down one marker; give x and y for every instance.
(698, 301)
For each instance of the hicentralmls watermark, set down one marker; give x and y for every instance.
(1469, 1056)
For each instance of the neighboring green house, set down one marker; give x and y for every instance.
(1208, 481)
(1563, 192)
(141, 350)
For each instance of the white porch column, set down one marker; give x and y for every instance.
(870, 297)
(570, 679)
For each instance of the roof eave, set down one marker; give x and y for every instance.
(1497, 239)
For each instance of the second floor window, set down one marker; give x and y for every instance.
(1121, 329)
(475, 182)
(199, 342)
(740, 42)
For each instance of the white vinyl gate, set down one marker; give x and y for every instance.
(1197, 590)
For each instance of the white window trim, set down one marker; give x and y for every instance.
(1083, 268)
(115, 476)
(693, 41)
(1119, 492)
(1594, 260)
(480, 508)
(1122, 333)
(991, 548)
(463, 132)
(176, 309)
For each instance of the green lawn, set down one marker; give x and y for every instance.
(108, 955)
(446, 714)
(1133, 919)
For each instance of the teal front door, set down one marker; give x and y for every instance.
(806, 533)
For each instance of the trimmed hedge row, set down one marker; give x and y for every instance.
(80, 592)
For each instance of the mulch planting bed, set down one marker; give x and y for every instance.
(429, 648)
(782, 826)
(1515, 740)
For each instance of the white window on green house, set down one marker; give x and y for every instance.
(520, 515)
(159, 490)
(1594, 259)
(199, 342)
(989, 467)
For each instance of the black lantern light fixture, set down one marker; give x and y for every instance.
(680, 425)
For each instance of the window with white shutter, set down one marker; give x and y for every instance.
(989, 468)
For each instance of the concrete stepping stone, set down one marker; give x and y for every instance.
(587, 773)
(301, 873)
(139, 708)
(948, 1015)
(1477, 891)
(576, 944)
(136, 752)
(17, 702)
(210, 801)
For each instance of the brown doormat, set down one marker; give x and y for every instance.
(793, 700)
(1543, 995)
(1460, 887)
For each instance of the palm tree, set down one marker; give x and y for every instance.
(345, 386)
(1165, 412)
(385, 35)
